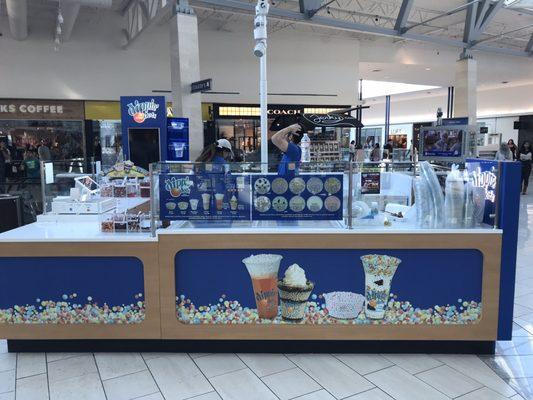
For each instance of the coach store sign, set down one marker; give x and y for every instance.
(41, 109)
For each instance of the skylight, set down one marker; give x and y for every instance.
(382, 88)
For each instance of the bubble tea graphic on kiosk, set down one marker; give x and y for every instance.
(263, 269)
(379, 271)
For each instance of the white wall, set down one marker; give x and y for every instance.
(91, 66)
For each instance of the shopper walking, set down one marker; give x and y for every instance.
(504, 153)
(387, 149)
(287, 140)
(44, 152)
(352, 150)
(513, 148)
(376, 153)
(525, 157)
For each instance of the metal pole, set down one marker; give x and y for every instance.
(264, 112)
(43, 188)
(350, 194)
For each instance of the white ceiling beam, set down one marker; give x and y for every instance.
(489, 15)
(529, 47)
(69, 11)
(470, 22)
(140, 14)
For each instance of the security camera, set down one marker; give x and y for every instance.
(260, 49)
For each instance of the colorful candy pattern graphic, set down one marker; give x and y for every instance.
(399, 312)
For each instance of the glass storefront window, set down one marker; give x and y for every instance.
(63, 138)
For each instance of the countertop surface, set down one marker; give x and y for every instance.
(80, 229)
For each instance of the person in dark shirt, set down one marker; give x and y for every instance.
(2, 167)
(31, 165)
(287, 140)
(525, 156)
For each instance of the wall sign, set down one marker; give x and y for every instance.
(370, 182)
(41, 109)
(142, 112)
(201, 86)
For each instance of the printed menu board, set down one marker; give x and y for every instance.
(370, 182)
(205, 196)
(305, 197)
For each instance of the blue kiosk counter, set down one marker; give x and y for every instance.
(263, 265)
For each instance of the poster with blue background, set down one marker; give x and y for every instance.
(206, 195)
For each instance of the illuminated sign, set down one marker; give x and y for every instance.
(486, 180)
(143, 111)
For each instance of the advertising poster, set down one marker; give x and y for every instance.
(370, 182)
(484, 177)
(72, 290)
(305, 197)
(297, 286)
(208, 196)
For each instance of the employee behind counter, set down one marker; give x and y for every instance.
(287, 140)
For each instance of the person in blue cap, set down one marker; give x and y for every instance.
(287, 140)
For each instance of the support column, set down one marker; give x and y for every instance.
(465, 96)
(185, 69)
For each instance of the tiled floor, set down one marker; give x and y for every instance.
(199, 376)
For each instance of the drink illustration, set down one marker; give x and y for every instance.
(206, 200)
(194, 204)
(263, 269)
(294, 291)
(233, 203)
(219, 199)
(379, 271)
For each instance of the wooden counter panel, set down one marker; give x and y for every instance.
(486, 329)
(147, 252)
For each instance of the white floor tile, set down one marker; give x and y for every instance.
(517, 397)
(240, 385)
(85, 387)
(51, 357)
(516, 366)
(196, 355)
(364, 363)
(7, 361)
(373, 394)
(483, 394)
(178, 377)
(7, 396)
(32, 388)
(400, 385)
(207, 396)
(449, 381)
(338, 379)
(218, 364)
(71, 368)
(319, 395)
(155, 396)
(29, 364)
(525, 300)
(291, 383)
(150, 356)
(3, 346)
(7, 381)
(266, 364)
(130, 386)
(113, 365)
(519, 310)
(413, 363)
(476, 369)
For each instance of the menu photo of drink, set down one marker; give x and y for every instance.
(304, 197)
(205, 196)
(370, 182)
(362, 287)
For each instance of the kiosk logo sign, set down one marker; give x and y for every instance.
(486, 180)
(143, 111)
(178, 186)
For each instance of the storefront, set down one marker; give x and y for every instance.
(29, 124)
(239, 123)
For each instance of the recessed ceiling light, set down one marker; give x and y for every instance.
(428, 69)
(505, 82)
(376, 70)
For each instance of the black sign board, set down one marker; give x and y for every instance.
(311, 121)
(201, 86)
(484, 129)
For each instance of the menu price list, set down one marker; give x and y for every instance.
(305, 197)
(207, 196)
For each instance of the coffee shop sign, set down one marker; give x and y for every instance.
(31, 109)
